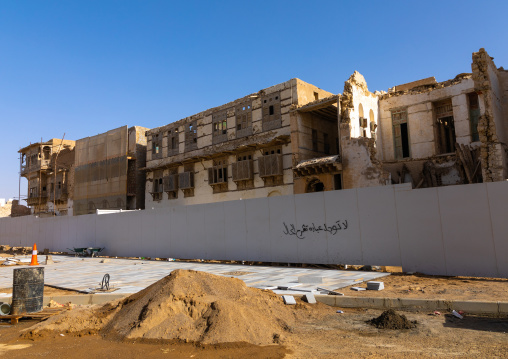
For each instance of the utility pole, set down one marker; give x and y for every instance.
(54, 182)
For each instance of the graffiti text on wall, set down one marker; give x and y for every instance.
(291, 230)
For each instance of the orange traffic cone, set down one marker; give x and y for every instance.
(34, 256)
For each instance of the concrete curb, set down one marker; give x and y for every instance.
(468, 306)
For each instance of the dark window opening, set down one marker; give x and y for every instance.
(314, 140)
(326, 143)
(316, 96)
(474, 115)
(271, 110)
(337, 182)
(405, 140)
(445, 127)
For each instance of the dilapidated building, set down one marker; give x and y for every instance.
(48, 167)
(427, 133)
(108, 171)
(297, 138)
(246, 148)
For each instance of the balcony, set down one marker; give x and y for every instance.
(270, 165)
(40, 165)
(34, 199)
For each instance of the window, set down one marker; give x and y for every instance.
(218, 176)
(326, 142)
(173, 142)
(337, 181)
(186, 180)
(400, 133)
(316, 96)
(171, 183)
(191, 136)
(445, 128)
(157, 185)
(474, 115)
(271, 110)
(314, 141)
(270, 164)
(243, 168)
(220, 127)
(156, 146)
(243, 114)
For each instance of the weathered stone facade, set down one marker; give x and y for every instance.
(47, 167)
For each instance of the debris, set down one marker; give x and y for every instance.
(310, 279)
(457, 314)
(62, 335)
(289, 299)
(49, 260)
(436, 313)
(330, 292)
(389, 319)
(105, 260)
(309, 298)
(375, 285)
(358, 289)
(340, 311)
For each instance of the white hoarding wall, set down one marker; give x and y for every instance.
(455, 230)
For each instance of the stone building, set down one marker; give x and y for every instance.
(297, 138)
(427, 133)
(48, 168)
(246, 148)
(108, 172)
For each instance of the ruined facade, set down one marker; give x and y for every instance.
(48, 168)
(108, 171)
(297, 138)
(427, 133)
(243, 149)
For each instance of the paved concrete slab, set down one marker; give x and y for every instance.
(131, 276)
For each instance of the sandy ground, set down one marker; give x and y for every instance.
(421, 286)
(48, 291)
(326, 334)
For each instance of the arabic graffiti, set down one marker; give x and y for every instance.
(291, 230)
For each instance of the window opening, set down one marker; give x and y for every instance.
(474, 115)
(445, 128)
(400, 133)
(314, 140)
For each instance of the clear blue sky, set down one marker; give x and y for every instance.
(84, 67)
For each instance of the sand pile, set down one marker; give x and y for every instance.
(392, 320)
(187, 306)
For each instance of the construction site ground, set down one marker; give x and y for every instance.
(322, 333)
(326, 334)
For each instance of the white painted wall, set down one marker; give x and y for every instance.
(453, 230)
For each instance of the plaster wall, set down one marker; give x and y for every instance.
(420, 119)
(453, 230)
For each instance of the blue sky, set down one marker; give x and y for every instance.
(85, 67)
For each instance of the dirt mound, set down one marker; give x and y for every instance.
(391, 320)
(189, 306)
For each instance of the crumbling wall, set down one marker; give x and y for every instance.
(418, 102)
(491, 126)
(360, 165)
(18, 210)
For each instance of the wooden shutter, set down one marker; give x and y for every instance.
(262, 167)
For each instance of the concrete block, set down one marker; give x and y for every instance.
(310, 279)
(358, 289)
(49, 260)
(375, 285)
(309, 298)
(289, 299)
(503, 308)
